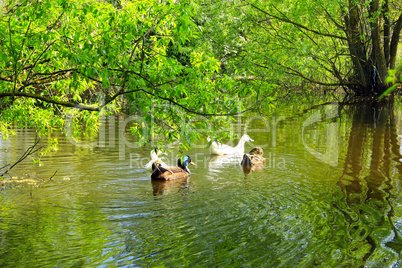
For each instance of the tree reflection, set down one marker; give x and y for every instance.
(367, 181)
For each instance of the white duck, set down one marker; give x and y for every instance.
(223, 149)
(155, 156)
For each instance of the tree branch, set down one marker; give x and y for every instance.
(31, 150)
(36, 61)
(49, 100)
(284, 19)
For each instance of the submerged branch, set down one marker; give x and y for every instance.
(31, 150)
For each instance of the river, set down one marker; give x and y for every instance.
(329, 195)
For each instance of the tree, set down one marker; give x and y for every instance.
(61, 56)
(348, 44)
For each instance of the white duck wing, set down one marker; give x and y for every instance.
(222, 149)
(148, 166)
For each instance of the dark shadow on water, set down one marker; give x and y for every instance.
(367, 180)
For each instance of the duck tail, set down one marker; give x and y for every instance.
(246, 161)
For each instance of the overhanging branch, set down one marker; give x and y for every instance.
(49, 100)
(284, 19)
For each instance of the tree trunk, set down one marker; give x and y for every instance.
(356, 46)
(379, 65)
(394, 42)
(387, 31)
(372, 52)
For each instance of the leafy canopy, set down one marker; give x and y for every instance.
(73, 58)
(332, 44)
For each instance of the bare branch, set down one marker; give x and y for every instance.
(31, 150)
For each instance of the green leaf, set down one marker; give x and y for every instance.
(388, 91)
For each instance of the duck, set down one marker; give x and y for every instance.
(254, 157)
(223, 149)
(168, 173)
(253, 160)
(155, 156)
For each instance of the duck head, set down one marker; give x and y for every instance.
(155, 165)
(156, 153)
(184, 161)
(257, 151)
(246, 138)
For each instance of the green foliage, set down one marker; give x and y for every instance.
(72, 59)
(5, 130)
(395, 78)
(291, 43)
(25, 113)
(253, 40)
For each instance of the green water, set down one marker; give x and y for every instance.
(329, 195)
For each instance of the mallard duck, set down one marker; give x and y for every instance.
(172, 173)
(223, 149)
(252, 160)
(155, 156)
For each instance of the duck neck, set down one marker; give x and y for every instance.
(241, 143)
(154, 156)
(185, 168)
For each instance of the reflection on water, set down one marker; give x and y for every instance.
(217, 163)
(251, 169)
(161, 187)
(367, 183)
(329, 195)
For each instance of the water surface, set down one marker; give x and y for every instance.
(329, 195)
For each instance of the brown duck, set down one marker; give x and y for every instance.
(253, 160)
(160, 172)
